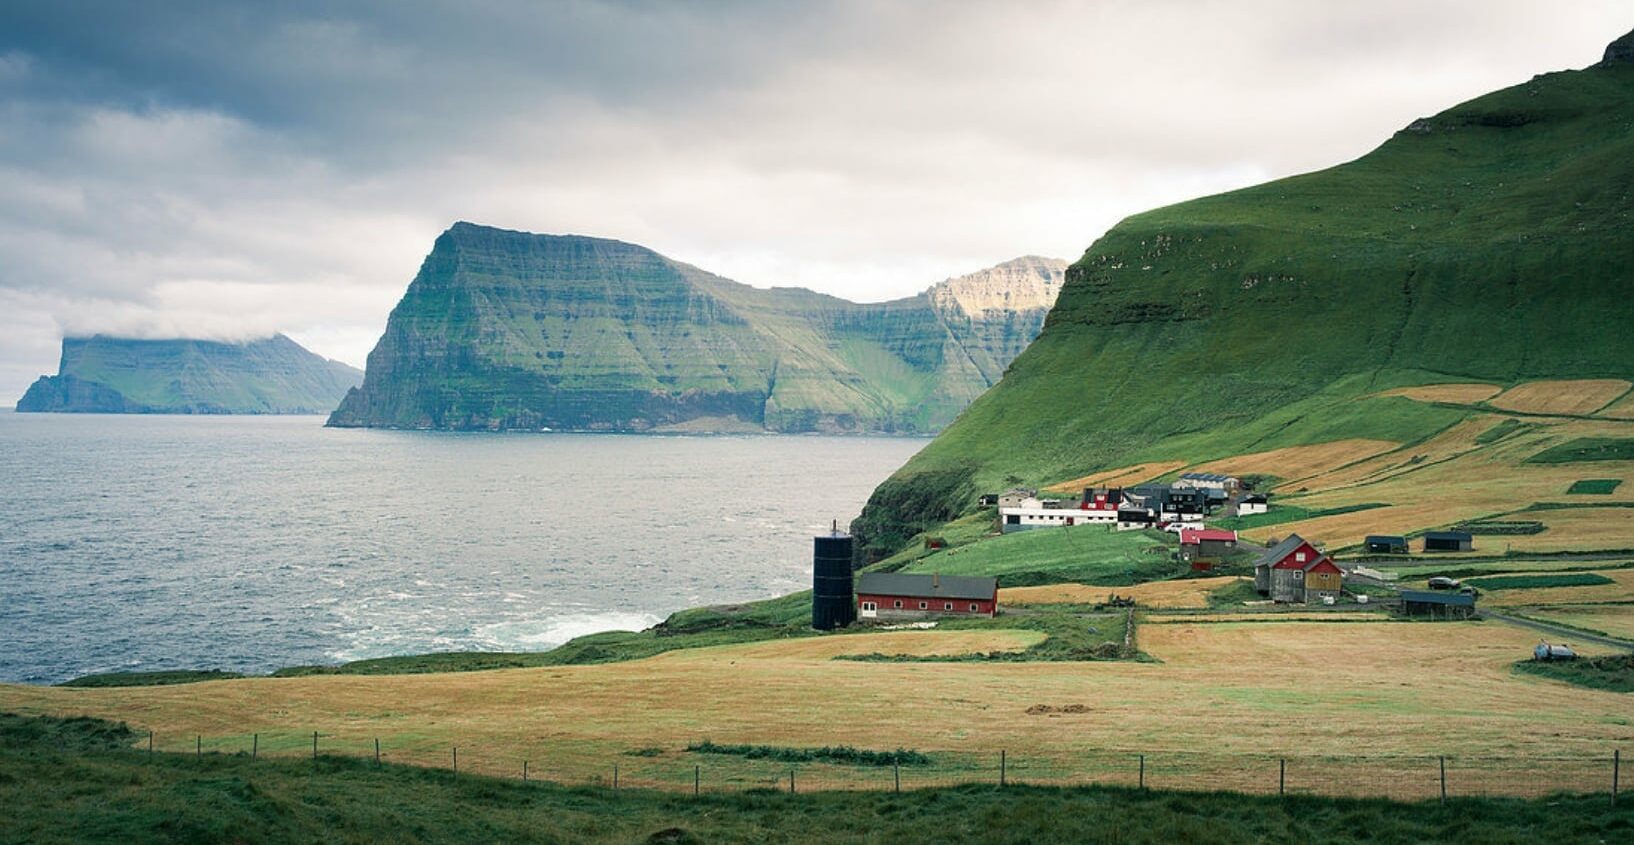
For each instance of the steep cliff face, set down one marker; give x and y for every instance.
(510, 330)
(1490, 242)
(111, 375)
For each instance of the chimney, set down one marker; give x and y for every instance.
(936, 580)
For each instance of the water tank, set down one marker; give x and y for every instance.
(832, 605)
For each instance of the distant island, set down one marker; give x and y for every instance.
(112, 375)
(506, 330)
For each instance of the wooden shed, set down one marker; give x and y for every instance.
(1385, 544)
(1438, 605)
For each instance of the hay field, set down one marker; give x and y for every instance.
(1458, 394)
(1380, 688)
(1120, 477)
(1571, 396)
(1298, 462)
(1620, 590)
(1622, 409)
(1617, 620)
(1572, 530)
(1185, 593)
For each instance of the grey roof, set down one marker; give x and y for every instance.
(927, 586)
(1448, 535)
(1206, 476)
(1425, 597)
(1385, 538)
(1280, 550)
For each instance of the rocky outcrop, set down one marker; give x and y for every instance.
(510, 330)
(1620, 52)
(110, 375)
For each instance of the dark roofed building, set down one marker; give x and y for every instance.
(1449, 541)
(1385, 544)
(894, 595)
(1438, 605)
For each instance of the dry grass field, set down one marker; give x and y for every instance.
(1574, 397)
(1571, 530)
(1120, 477)
(1458, 394)
(1185, 593)
(1616, 620)
(1297, 462)
(1391, 691)
(1622, 409)
(1620, 590)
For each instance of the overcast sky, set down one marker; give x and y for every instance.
(229, 169)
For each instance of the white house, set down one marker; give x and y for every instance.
(1033, 514)
(1252, 504)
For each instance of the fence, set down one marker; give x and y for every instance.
(1407, 778)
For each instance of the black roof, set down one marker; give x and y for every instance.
(928, 586)
(1448, 535)
(1387, 539)
(1256, 498)
(1425, 597)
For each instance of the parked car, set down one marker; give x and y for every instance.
(1442, 582)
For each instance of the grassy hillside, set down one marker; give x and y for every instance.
(72, 781)
(1488, 243)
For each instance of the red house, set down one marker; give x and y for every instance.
(892, 595)
(1200, 545)
(1296, 571)
(1101, 500)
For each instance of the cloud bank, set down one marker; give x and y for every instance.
(230, 169)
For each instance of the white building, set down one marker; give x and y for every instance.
(1033, 514)
(1252, 504)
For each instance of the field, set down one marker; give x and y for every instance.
(1294, 463)
(67, 781)
(1450, 681)
(1621, 589)
(1616, 620)
(1183, 593)
(1458, 394)
(1092, 554)
(1561, 396)
(1120, 477)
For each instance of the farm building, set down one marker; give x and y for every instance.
(1036, 513)
(1101, 500)
(892, 595)
(1171, 504)
(1438, 605)
(1295, 571)
(1015, 496)
(1385, 544)
(1449, 541)
(1206, 543)
(1131, 519)
(988, 500)
(1252, 504)
(1208, 481)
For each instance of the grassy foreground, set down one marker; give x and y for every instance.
(73, 781)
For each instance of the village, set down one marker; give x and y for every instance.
(1192, 515)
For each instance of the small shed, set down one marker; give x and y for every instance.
(1385, 544)
(1254, 503)
(1449, 541)
(1438, 605)
(1206, 543)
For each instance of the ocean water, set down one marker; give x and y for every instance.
(131, 543)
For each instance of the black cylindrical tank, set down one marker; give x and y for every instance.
(832, 605)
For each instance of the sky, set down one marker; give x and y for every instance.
(230, 169)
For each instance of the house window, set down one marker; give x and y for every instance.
(924, 605)
(868, 605)
(947, 605)
(899, 604)
(974, 607)
(1299, 556)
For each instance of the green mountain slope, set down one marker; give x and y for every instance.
(104, 374)
(1491, 242)
(510, 330)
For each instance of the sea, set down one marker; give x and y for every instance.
(140, 543)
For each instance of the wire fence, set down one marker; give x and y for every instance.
(1407, 778)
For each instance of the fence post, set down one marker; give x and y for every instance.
(150, 743)
(615, 777)
(1002, 767)
(1282, 776)
(314, 746)
(696, 781)
(1616, 769)
(1443, 780)
(524, 771)
(1143, 771)
(198, 745)
(791, 780)
(896, 772)
(456, 759)
(255, 745)
(377, 752)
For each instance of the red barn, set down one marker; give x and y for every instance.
(892, 595)
(1200, 545)
(1296, 571)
